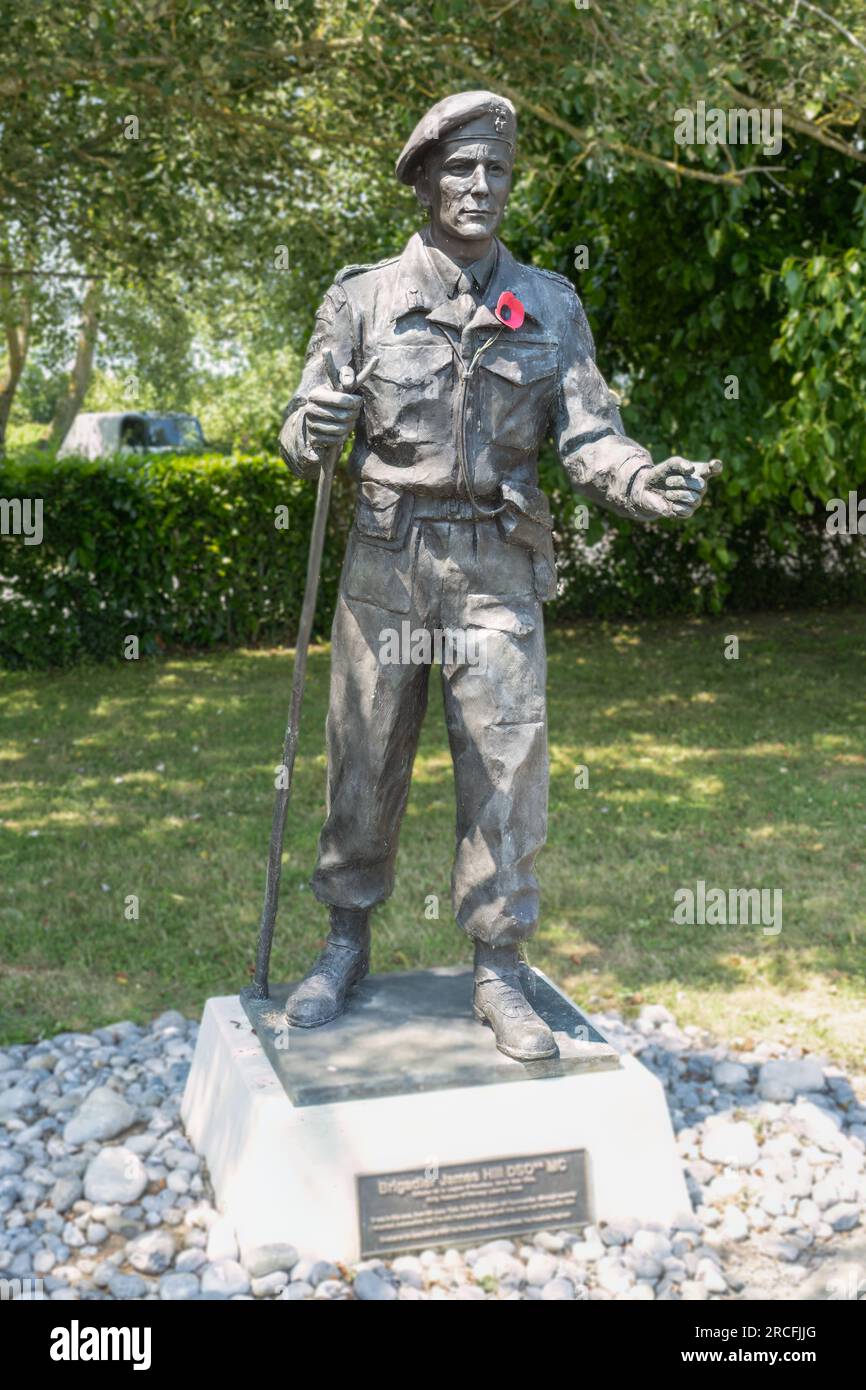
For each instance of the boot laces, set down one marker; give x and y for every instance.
(505, 994)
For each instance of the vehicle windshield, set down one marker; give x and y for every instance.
(162, 432)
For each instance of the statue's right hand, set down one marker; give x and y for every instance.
(330, 416)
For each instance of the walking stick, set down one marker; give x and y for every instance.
(344, 380)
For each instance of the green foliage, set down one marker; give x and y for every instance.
(178, 551)
(183, 551)
(246, 406)
(820, 441)
(613, 568)
(36, 396)
(264, 161)
(25, 438)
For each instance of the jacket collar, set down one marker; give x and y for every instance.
(418, 289)
(479, 273)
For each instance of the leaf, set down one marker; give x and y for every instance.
(793, 281)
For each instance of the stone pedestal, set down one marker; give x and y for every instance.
(404, 1114)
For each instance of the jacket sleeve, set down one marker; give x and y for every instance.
(600, 459)
(333, 331)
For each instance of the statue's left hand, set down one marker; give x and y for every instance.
(675, 487)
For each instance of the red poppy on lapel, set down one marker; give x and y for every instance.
(509, 310)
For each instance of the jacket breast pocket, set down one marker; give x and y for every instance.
(517, 386)
(407, 398)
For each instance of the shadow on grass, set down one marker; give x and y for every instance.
(154, 782)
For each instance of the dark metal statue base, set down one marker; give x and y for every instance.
(414, 1031)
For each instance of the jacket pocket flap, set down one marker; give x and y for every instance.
(530, 501)
(412, 364)
(383, 514)
(522, 367)
(379, 496)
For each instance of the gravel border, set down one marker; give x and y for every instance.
(102, 1196)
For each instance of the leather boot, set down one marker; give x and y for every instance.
(321, 996)
(499, 1001)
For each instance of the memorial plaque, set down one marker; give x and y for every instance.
(471, 1203)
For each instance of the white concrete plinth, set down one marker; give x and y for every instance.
(288, 1173)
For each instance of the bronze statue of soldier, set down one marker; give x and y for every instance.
(478, 360)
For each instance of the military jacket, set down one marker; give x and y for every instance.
(447, 402)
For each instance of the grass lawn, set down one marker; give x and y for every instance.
(156, 779)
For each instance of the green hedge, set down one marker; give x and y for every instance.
(183, 551)
(176, 550)
(770, 558)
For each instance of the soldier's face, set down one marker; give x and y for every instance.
(466, 188)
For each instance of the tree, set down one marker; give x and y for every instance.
(16, 309)
(169, 139)
(69, 404)
(226, 159)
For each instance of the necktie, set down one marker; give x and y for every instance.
(465, 283)
(465, 302)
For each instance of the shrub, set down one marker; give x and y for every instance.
(183, 551)
(770, 558)
(177, 550)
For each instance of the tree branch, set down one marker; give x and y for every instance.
(816, 9)
(804, 127)
(732, 179)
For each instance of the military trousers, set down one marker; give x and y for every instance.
(455, 591)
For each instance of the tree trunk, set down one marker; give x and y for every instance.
(16, 310)
(79, 378)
